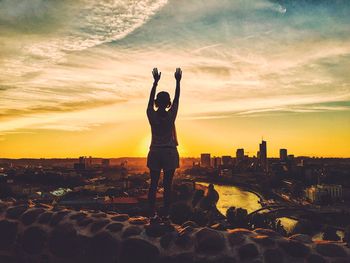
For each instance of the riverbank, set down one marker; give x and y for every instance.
(234, 196)
(244, 187)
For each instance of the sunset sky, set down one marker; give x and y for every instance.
(75, 75)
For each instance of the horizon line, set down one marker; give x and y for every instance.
(183, 157)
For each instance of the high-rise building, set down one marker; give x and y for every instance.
(84, 163)
(205, 160)
(263, 154)
(216, 162)
(226, 160)
(283, 155)
(240, 154)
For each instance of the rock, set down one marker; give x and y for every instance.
(330, 250)
(140, 220)
(136, 250)
(157, 230)
(115, 227)
(99, 215)
(132, 231)
(45, 217)
(294, 248)
(120, 217)
(273, 256)
(341, 260)
(45, 206)
(102, 248)
(179, 258)
(187, 229)
(166, 240)
(301, 238)
(223, 259)
(218, 227)
(200, 217)
(183, 238)
(7, 259)
(313, 258)
(209, 241)
(85, 222)
(31, 215)
(33, 240)
(44, 259)
(78, 216)
(248, 251)
(226, 259)
(16, 212)
(263, 240)
(8, 234)
(63, 241)
(98, 225)
(267, 232)
(238, 236)
(3, 206)
(180, 213)
(242, 231)
(189, 223)
(57, 217)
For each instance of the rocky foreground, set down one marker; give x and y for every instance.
(39, 233)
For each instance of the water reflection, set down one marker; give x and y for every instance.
(235, 196)
(288, 223)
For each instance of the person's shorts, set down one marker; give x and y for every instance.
(163, 158)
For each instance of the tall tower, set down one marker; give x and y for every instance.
(263, 154)
(240, 154)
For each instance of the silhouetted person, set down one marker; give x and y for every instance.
(163, 154)
(210, 198)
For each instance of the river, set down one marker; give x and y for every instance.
(235, 196)
(238, 197)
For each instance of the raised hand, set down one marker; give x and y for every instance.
(156, 75)
(178, 74)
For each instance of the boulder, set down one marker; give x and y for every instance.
(63, 241)
(8, 234)
(31, 215)
(294, 248)
(135, 250)
(273, 256)
(120, 217)
(248, 252)
(33, 240)
(209, 241)
(330, 250)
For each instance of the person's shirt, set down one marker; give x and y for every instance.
(163, 127)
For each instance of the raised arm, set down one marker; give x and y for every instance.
(156, 77)
(178, 76)
(175, 105)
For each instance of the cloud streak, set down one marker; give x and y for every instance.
(239, 57)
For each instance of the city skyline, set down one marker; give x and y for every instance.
(76, 76)
(238, 153)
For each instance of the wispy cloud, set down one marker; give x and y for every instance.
(65, 64)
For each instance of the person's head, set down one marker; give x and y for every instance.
(163, 100)
(210, 187)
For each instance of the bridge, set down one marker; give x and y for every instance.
(290, 210)
(271, 208)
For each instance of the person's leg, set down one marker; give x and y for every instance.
(167, 184)
(155, 174)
